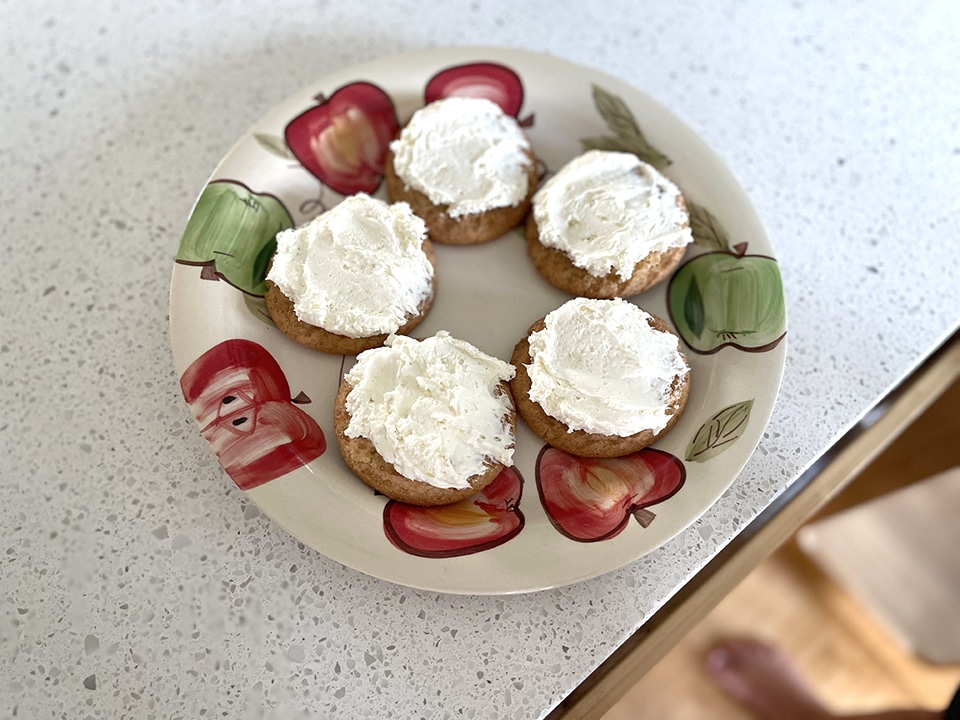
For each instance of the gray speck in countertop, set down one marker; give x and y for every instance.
(91, 644)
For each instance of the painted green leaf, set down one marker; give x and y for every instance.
(707, 231)
(615, 112)
(719, 432)
(232, 234)
(627, 136)
(276, 145)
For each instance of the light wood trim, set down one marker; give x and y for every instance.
(880, 427)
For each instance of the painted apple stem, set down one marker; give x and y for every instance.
(209, 272)
(314, 205)
(644, 516)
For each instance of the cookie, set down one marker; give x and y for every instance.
(592, 410)
(355, 275)
(426, 422)
(607, 225)
(465, 167)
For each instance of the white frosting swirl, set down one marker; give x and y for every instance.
(609, 210)
(433, 408)
(465, 153)
(598, 366)
(358, 269)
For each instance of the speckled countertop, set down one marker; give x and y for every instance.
(137, 581)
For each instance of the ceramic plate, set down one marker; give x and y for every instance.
(264, 403)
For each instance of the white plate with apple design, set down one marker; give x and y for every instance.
(265, 403)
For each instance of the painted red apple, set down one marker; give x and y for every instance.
(486, 520)
(590, 499)
(343, 141)
(241, 399)
(492, 81)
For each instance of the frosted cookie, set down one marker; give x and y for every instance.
(351, 277)
(607, 225)
(426, 422)
(465, 167)
(600, 378)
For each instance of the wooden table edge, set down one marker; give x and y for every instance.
(774, 526)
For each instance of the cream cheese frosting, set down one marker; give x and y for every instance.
(465, 153)
(358, 269)
(598, 366)
(432, 408)
(608, 210)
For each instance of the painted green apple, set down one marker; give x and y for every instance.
(231, 234)
(728, 298)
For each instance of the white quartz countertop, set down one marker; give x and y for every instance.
(138, 582)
